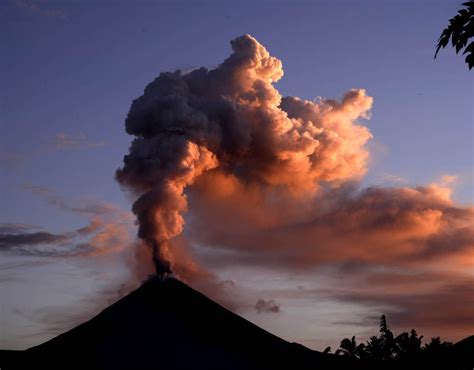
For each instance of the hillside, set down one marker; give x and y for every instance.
(165, 324)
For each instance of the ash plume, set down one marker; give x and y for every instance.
(231, 125)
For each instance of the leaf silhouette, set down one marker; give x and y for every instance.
(460, 30)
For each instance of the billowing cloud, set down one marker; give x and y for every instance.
(270, 181)
(230, 123)
(385, 225)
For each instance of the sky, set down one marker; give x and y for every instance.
(68, 240)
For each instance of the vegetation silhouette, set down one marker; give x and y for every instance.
(460, 30)
(386, 346)
(164, 324)
(350, 348)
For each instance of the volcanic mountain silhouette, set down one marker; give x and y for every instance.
(165, 324)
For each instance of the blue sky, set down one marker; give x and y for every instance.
(71, 69)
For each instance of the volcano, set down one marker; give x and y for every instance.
(165, 324)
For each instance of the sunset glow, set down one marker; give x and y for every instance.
(307, 178)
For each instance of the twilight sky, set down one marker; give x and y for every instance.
(389, 231)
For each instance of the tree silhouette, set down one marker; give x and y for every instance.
(387, 342)
(374, 348)
(350, 348)
(386, 346)
(460, 30)
(436, 345)
(408, 344)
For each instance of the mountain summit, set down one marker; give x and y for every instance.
(165, 324)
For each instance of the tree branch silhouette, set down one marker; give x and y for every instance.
(386, 346)
(460, 30)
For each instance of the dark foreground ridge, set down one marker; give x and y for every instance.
(165, 324)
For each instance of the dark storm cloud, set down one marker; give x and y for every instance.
(107, 229)
(8, 241)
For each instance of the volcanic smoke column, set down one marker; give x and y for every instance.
(231, 120)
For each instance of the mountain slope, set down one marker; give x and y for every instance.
(168, 325)
(165, 324)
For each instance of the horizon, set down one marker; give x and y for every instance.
(357, 201)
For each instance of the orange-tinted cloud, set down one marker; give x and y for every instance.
(273, 181)
(386, 225)
(233, 120)
(108, 230)
(435, 304)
